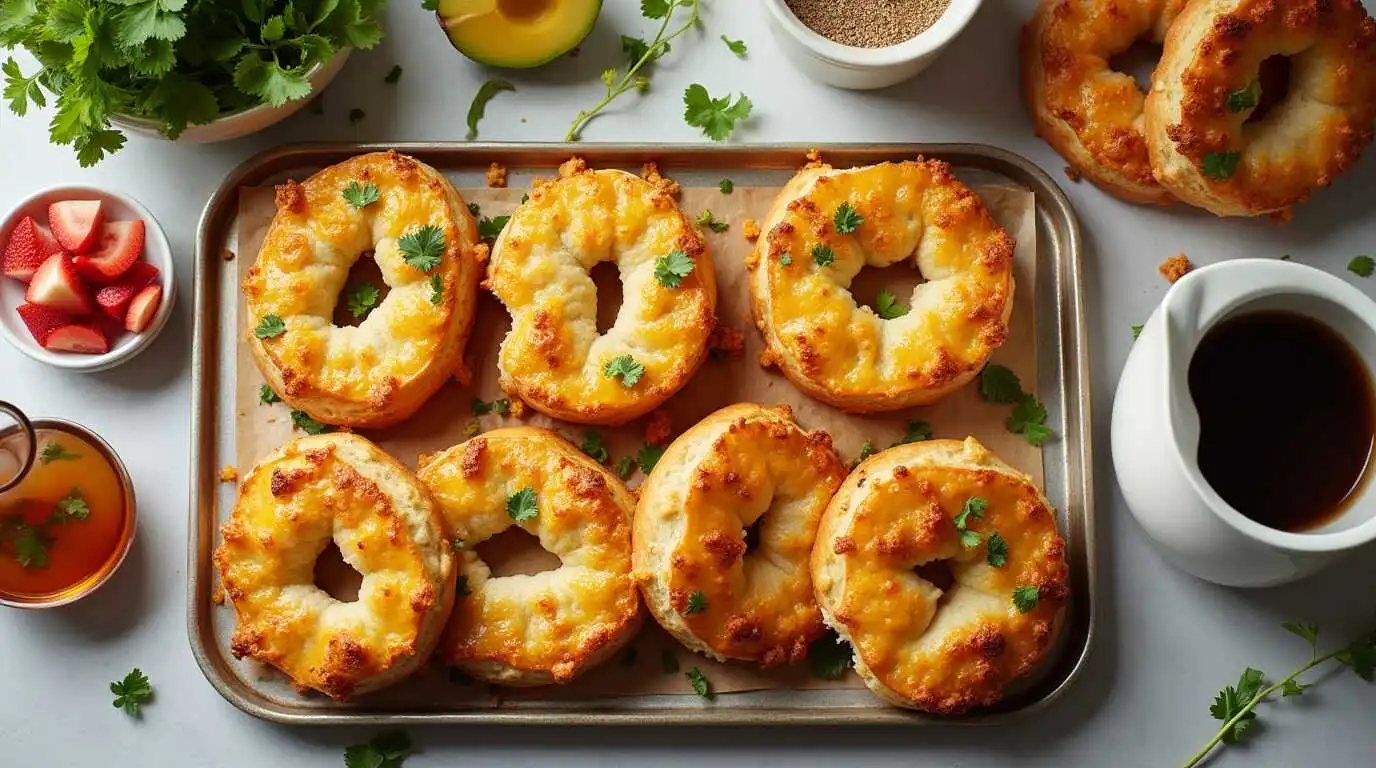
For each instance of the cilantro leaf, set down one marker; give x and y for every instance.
(996, 550)
(1309, 633)
(361, 299)
(917, 432)
(866, 451)
(360, 195)
(1136, 331)
(626, 368)
(270, 326)
(268, 81)
(31, 547)
(478, 108)
(829, 657)
(1220, 166)
(303, 421)
(697, 603)
(1360, 657)
(1026, 598)
(1361, 266)
(266, 396)
(1231, 702)
(489, 229)
(624, 467)
(356, 116)
(786, 259)
(823, 255)
(385, 750)
(436, 289)
(668, 661)
(887, 307)
(846, 220)
(998, 384)
(974, 508)
(73, 507)
(1029, 420)
(655, 9)
(20, 90)
(705, 219)
(500, 407)
(1292, 688)
(394, 75)
(594, 447)
(132, 692)
(55, 452)
(522, 505)
(726, 186)
(423, 247)
(671, 268)
(636, 48)
(648, 456)
(737, 46)
(716, 117)
(1246, 98)
(701, 685)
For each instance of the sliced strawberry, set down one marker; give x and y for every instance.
(115, 297)
(76, 223)
(118, 245)
(142, 308)
(78, 337)
(57, 285)
(110, 327)
(41, 320)
(29, 246)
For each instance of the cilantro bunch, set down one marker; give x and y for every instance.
(179, 62)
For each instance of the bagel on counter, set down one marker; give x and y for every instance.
(705, 583)
(386, 525)
(1205, 146)
(424, 242)
(823, 228)
(554, 358)
(1089, 113)
(944, 569)
(546, 628)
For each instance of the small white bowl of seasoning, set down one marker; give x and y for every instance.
(866, 44)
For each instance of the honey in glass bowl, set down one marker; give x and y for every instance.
(68, 523)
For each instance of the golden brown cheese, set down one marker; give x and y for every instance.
(741, 466)
(343, 488)
(554, 357)
(384, 369)
(1302, 143)
(846, 355)
(551, 626)
(950, 647)
(1087, 111)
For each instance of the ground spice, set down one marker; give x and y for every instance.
(868, 23)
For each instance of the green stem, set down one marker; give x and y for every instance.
(628, 80)
(1260, 697)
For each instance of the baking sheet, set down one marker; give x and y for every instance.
(1053, 363)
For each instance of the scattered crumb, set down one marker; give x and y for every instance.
(726, 343)
(496, 176)
(227, 255)
(658, 428)
(481, 252)
(767, 358)
(229, 474)
(570, 167)
(518, 408)
(1072, 174)
(471, 429)
(751, 229)
(1175, 267)
(523, 119)
(1282, 216)
(814, 159)
(650, 172)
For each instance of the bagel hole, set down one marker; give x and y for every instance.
(939, 573)
(1274, 77)
(752, 535)
(516, 552)
(606, 277)
(900, 280)
(335, 576)
(1137, 62)
(364, 272)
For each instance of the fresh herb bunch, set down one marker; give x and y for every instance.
(1236, 706)
(179, 62)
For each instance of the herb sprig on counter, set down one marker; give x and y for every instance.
(998, 384)
(478, 108)
(716, 117)
(132, 692)
(385, 750)
(1236, 705)
(636, 75)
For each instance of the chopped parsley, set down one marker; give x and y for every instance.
(626, 368)
(705, 219)
(1246, 98)
(422, 247)
(846, 220)
(522, 505)
(716, 117)
(54, 452)
(671, 268)
(829, 657)
(887, 307)
(361, 299)
(786, 258)
(918, 431)
(647, 457)
(701, 685)
(500, 407)
(489, 229)
(996, 550)
(823, 255)
(1361, 266)
(624, 467)
(132, 692)
(697, 603)
(737, 46)
(974, 508)
(360, 195)
(594, 447)
(1220, 166)
(270, 326)
(1025, 598)
(266, 396)
(302, 421)
(72, 507)
(436, 289)
(726, 186)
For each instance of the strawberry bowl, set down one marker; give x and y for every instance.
(85, 277)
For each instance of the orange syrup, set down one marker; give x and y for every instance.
(65, 525)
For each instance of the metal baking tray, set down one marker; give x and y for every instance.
(1063, 384)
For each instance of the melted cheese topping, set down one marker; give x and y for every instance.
(743, 465)
(943, 650)
(383, 369)
(549, 627)
(845, 354)
(554, 357)
(343, 488)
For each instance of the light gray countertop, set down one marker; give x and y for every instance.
(1166, 642)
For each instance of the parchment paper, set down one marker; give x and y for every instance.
(443, 420)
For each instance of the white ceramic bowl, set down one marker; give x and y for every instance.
(846, 66)
(242, 123)
(155, 250)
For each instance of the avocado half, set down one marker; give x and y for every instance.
(516, 34)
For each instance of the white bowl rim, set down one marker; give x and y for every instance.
(956, 16)
(153, 230)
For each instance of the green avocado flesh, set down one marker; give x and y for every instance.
(517, 34)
